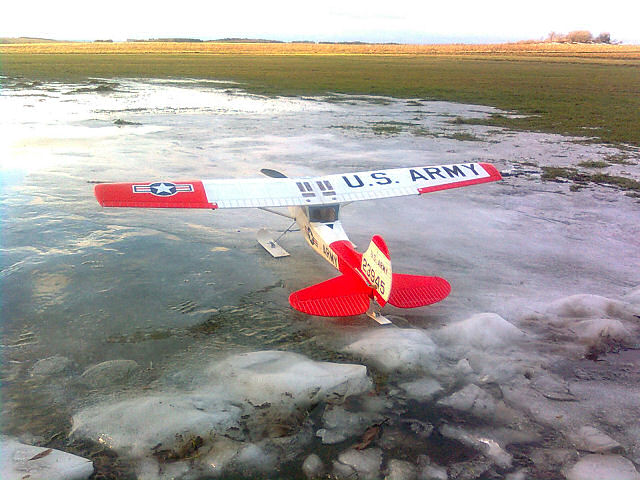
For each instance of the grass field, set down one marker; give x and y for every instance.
(585, 90)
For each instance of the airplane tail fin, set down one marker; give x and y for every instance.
(376, 266)
(399, 289)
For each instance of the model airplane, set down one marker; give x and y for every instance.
(314, 204)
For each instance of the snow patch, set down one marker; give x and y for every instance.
(134, 427)
(20, 461)
(396, 349)
(590, 439)
(593, 331)
(340, 424)
(109, 372)
(592, 306)
(471, 399)
(488, 446)
(51, 366)
(312, 467)
(423, 389)
(286, 378)
(401, 470)
(633, 296)
(360, 464)
(483, 331)
(247, 417)
(611, 467)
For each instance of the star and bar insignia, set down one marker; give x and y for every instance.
(163, 189)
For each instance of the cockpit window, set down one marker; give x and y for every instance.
(324, 214)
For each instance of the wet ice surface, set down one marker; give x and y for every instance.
(113, 320)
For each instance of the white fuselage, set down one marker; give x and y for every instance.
(320, 234)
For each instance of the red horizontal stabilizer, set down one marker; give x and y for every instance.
(410, 291)
(342, 296)
(189, 194)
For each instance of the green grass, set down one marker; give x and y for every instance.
(464, 136)
(594, 164)
(623, 183)
(619, 158)
(573, 96)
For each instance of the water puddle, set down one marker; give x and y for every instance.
(173, 292)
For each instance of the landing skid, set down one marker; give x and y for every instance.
(270, 245)
(381, 319)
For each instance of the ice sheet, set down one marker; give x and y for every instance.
(545, 277)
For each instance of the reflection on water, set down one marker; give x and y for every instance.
(170, 288)
(94, 285)
(99, 273)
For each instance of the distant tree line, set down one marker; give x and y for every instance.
(198, 40)
(247, 40)
(182, 40)
(579, 36)
(244, 40)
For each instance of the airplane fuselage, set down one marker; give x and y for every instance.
(327, 237)
(320, 235)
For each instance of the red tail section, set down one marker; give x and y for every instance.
(367, 277)
(410, 291)
(342, 296)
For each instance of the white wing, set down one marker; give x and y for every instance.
(340, 188)
(280, 192)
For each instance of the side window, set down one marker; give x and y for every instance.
(323, 214)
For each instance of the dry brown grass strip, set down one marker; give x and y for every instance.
(216, 48)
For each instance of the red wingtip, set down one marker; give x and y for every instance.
(98, 192)
(493, 172)
(190, 194)
(102, 193)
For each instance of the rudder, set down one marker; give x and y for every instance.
(376, 267)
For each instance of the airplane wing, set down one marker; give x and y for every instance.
(281, 192)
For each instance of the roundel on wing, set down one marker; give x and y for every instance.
(163, 189)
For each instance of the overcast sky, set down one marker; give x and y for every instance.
(329, 20)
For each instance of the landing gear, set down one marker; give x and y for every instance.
(270, 245)
(378, 317)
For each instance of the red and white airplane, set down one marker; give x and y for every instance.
(314, 204)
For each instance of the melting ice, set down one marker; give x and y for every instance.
(159, 344)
